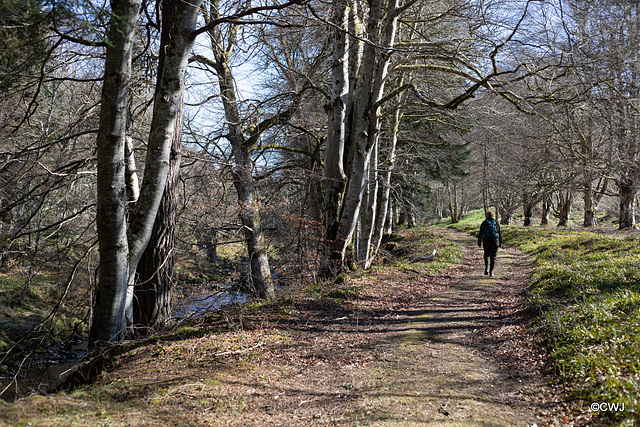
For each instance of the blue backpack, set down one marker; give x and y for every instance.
(491, 230)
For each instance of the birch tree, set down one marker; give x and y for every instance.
(358, 142)
(384, 191)
(468, 59)
(334, 173)
(243, 133)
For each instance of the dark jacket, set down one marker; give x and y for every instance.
(484, 223)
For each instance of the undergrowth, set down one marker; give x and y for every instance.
(585, 295)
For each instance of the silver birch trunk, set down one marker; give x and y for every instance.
(368, 216)
(154, 273)
(153, 287)
(355, 49)
(131, 173)
(390, 220)
(384, 211)
(167, 108)
(107, 323)
(366, 119)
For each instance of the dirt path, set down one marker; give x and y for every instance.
(458, 356)
(440, 374)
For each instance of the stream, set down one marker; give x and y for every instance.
(196, 302)
(45, 370)
(50, 367)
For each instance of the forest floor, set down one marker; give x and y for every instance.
(409, 348)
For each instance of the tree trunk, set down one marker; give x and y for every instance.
(365, 122)
(166, 121)
(131, 172)
(389, 221)
(546, 211)
(402, 216)
(211, 245)
(528, 212)
(453, 203)
(627, 209)
(250, 217)
(565, 202)
(368, 217)
(590, 208)
(152, 293)
(335, 178)
(108, 313)
(384, 215)
(411, 219)
(506, 216)
(114, 296)
(242, 172)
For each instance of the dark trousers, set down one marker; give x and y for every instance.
(490, 251)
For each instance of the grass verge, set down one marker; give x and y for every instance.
(585, 294)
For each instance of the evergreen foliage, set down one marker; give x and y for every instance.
(22, 42)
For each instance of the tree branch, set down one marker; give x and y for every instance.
(77, 40)
(236, 18)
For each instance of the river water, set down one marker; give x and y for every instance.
(195, 303)
(44, 371)
(51, 368)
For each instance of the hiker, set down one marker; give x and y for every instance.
(490, 238)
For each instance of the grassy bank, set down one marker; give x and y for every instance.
(27, 319)
(254, 364)
(585, 293)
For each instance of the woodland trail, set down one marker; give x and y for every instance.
(443, 376)
(454, 358)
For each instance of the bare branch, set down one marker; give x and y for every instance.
(237, 18)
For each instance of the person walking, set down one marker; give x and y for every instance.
(490, 238)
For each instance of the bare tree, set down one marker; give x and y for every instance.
(120, 246)
(243, 133)
(382, 20)
(601, 40)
